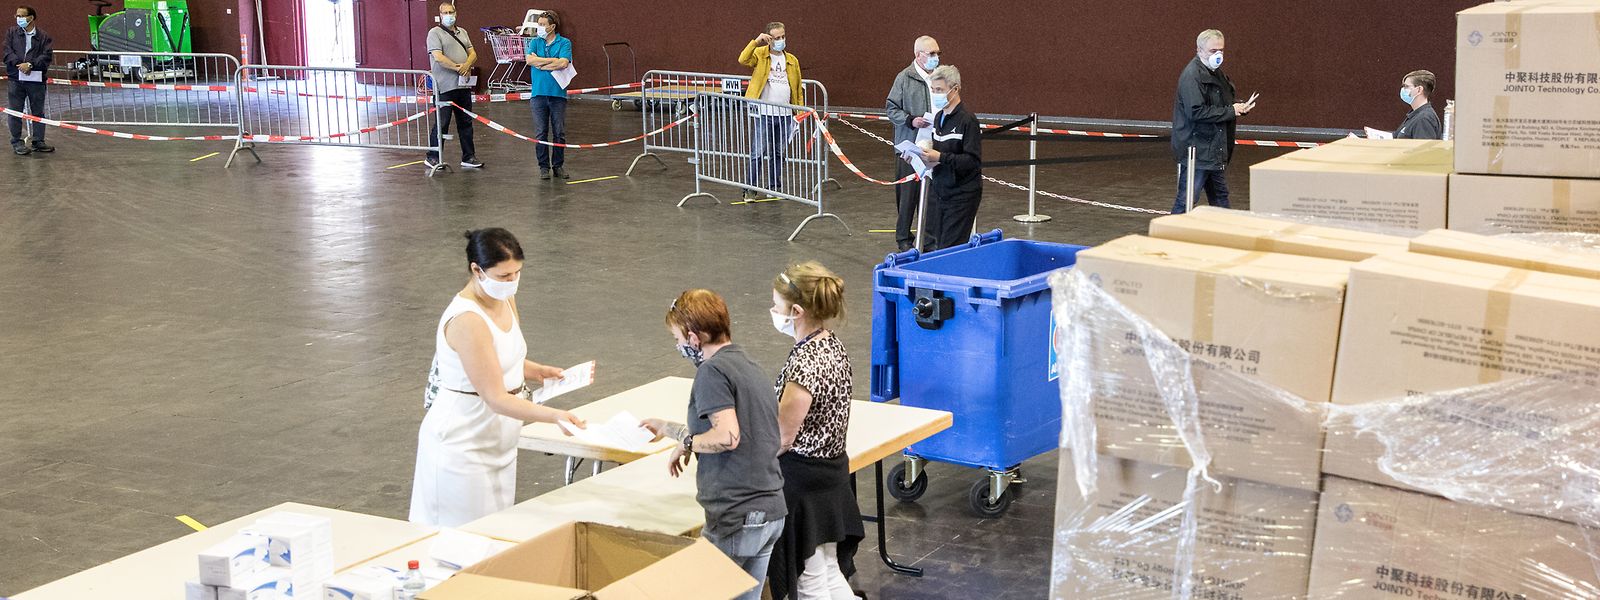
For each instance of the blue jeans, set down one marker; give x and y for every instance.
(751, 549)
(550, 125)
(768, 138)
(1215, 184)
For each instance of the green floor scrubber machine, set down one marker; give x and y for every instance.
(147, 26)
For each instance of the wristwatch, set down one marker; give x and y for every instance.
(688, 443)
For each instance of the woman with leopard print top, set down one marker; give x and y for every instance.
(815, 553)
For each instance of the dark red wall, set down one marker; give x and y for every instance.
(1335, 63)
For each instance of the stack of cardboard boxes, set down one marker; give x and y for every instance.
(1526, 151)
(1343, 321)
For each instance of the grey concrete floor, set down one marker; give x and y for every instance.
(181, 339)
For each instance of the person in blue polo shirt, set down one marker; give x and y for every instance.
(548, 52)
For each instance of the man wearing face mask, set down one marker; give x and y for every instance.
(908, 107)
(548, 51)
(1205, 117)
(957, 160)
(28, 55)
(1422, 123)
(452, 56)
(776, 78)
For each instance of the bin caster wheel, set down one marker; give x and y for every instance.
(904, 493)
(616, 105)
(638, 104)
(982, 505)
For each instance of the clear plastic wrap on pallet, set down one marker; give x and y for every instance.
(1504, 478)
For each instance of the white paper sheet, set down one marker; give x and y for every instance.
(573, 379)
(1378, 134)
(34, 76)
(455, 549)
(564, 76)
(925, 134)
(622, 431)
(910, 153)
(467, 81)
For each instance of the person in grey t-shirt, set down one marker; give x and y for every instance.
(733, 430)
(451, 56)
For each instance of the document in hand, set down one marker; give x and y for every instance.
(910, 153)
(622, 431)
(1378, 134)
(573, 379)
(564, 76)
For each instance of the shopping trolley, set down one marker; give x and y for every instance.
(510, 72)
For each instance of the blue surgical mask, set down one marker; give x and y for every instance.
(447, 20)
(940, 100)
(1215, 61)
(1406, 97)
(778, 45)
(22, 22)
(933, 63)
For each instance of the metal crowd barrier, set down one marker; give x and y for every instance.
(769, 148)
(142, 88)
(359, 108)
(665, 97)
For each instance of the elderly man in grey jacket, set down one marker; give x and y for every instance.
(907, 106)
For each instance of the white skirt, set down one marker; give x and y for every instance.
(466, 462)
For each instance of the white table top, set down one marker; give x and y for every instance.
(159, 572)
(666, 398)
(642, 495)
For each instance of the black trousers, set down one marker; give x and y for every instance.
(906, 196)
(950, 219)
(463, 98)
(31, 93)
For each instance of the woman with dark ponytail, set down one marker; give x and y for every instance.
(477, 398)
(815, 554)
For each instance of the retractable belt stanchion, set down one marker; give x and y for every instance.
(1033, 215)
(1189, 183)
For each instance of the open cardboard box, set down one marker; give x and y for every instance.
(581, 561)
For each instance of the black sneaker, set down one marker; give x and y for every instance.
(561, 172)
(43, 147)
(430, 163)
(471, 163)
(748, 195)
(20, 148)
(544, 174)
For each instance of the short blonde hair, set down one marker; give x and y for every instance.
(1207, 35)
(948, 74)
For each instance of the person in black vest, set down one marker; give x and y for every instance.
(957, 160)
(1205, 117)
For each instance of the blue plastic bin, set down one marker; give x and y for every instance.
(981, 351)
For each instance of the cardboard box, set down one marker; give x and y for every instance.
(1246, 231)
(1231, 309)
(1521, 108)
(1391, 183)
(1379, 542)
(1508, 253)
(1488, 205)
(1417, 324)
(615, 563)
(1253, 541)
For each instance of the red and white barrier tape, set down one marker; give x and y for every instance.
(508, 131)
(362, 131)
(1107, 134)
(119, 134)
(834, 146)
(422, 99)
(178, 87)
(1006, 183)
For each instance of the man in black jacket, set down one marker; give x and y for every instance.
(1204, 117)
(27, 57)
(957, 161)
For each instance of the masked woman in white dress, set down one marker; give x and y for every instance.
(476, 399)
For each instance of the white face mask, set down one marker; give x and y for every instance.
(540, 30)
(499, 290)
(783, 323)
(1215, 61)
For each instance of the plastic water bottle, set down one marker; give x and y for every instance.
(414, 584)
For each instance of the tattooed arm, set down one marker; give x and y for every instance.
(723, 435)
